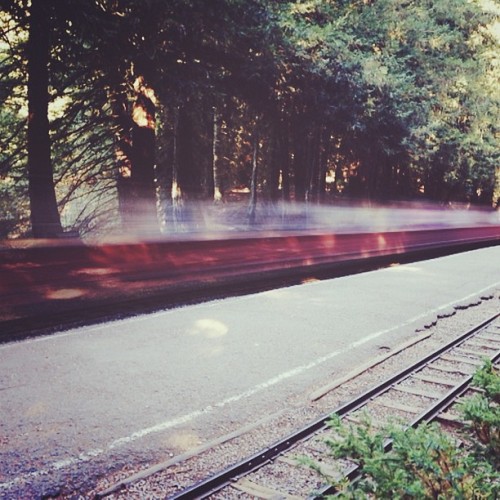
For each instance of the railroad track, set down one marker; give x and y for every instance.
(423, 392)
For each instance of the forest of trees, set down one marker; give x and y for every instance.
(117, 111)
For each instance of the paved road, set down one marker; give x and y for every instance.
(156, 385)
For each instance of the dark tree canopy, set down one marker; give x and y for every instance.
(123, 113)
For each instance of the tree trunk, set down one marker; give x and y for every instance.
(163, 168)
(275, 158)
(176, 193)
(314, 159)
(285, 160)
(188, 175)
(215, 158)
(339, 177)
(323, 163)
(252, 207)
(143, 156)
(123, 155)
(45, 219)
(300, 159)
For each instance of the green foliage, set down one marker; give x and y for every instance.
(425, 462)
(400, 77)
(488, 379)
(13, 184)
(399, 99)
(482, 413)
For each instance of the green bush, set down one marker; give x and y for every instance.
(425, 462)
(482, 415)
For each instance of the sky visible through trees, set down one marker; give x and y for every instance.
(116, 112)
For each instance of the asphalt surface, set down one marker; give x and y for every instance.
(75, 404)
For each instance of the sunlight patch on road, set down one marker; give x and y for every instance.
(404, 269)
(209, 328)
(183, 441)
(279, 293)
(310, 280)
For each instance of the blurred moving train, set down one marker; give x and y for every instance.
(42, 280)
(345, 217)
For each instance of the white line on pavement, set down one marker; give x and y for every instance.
(89, 455)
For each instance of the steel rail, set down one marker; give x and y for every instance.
(223, 479)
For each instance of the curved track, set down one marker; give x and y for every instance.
(50, 284)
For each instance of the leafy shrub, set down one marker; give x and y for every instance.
(482, 414)
(425, 462)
